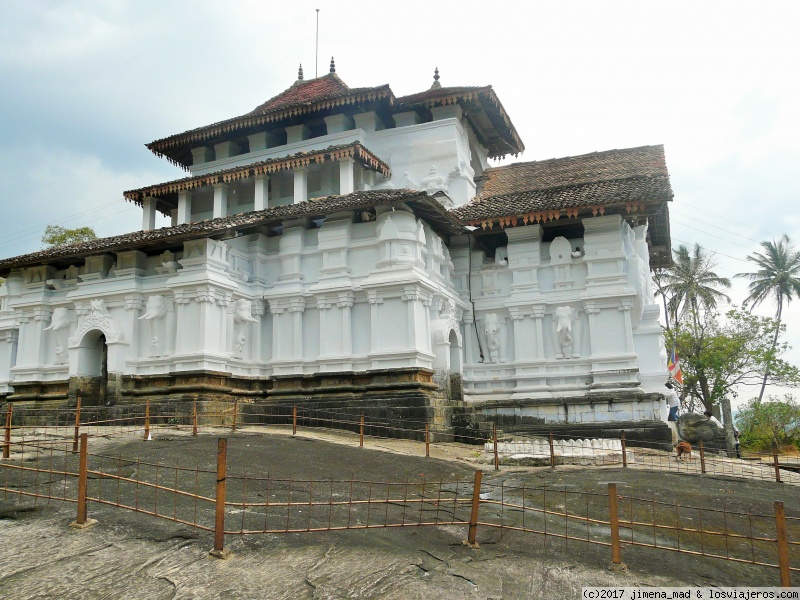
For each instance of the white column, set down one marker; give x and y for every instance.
(148, 213)
(261, 192)
(220, 200)
(173, 215)
(184, 207)
(347, 176)
(300, 185)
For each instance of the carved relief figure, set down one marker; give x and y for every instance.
(242, 315)
(491, 327)
(59, 325)
(155, 311)
(567, 326)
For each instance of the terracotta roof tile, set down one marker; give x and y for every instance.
(303, 91)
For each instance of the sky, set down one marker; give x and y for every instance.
(85, 84)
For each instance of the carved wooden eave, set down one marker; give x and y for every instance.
(545, 216)
(353, 151)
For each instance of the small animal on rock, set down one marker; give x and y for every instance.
(683, 448)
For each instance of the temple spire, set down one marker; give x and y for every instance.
(333, 66)
(300, 73)
(436, 84)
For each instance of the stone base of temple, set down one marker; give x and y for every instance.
(639, 415)
(401, 399)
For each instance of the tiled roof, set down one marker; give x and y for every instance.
(599, 178)
(300, 159)
(302, 98)
(489, 119)
(644, 161)
(634, 181)
(303, 91)
(423, 205)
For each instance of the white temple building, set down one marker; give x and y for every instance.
(343, 246)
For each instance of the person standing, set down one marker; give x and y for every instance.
(672, 402)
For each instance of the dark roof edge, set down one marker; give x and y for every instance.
(434, 214)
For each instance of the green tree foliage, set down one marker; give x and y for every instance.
(717, 355)
(772, 422)
(777, 278)
(691, 284)
(56, 235)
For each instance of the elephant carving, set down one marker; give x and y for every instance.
(567, 329)
(491, 328)
(59, 325)
(155, 309)
(242, 315)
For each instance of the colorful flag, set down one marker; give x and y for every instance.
(674, 366)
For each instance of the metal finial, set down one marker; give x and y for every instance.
(300, 73)
(436, 83)
(333, 66)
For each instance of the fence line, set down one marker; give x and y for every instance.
(184, 495)
(157, 416)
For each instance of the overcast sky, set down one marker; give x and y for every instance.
(86, 84)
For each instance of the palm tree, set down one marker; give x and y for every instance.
(777, 277)
(692, 284)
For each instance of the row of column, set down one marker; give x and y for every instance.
(261, 195)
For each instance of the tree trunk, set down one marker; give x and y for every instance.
(727, 422)
(774, 344)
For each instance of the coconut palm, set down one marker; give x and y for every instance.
(778, 278)
(692, 284)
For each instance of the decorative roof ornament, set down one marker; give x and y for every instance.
(436, 85)
(300, 73)
(333, 66)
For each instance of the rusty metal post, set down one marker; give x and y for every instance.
(194, 417)
(147, 420)
(235, 411)
(427, 441)
(294, 420)
(83, 479)
(77, 425)
(473, 518)
(783, 545)
(775, 462)
(552, 453)
(624, 449)
(361, 432)
(702, 458)
(613, 519)
(7, 436)
(219, 514)
(496, 457)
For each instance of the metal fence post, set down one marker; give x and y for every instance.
(77, 425)
(294, 420)
(427, 440)
(235, 411)
(219, 550)
(783, 545)
(7, 436)
(194, 417)
(552, 452)
(473, 518)
(624, 449)
(82, 521)
(361, 432)
(147, 420)
(775, 462)
(496, 457)
(702, 458)
(613, 519)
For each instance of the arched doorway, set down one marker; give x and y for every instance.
(455, 366)
(92, 368)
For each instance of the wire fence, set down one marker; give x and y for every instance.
(46, 425)
(211, 500)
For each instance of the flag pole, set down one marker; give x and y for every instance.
(316, 56)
